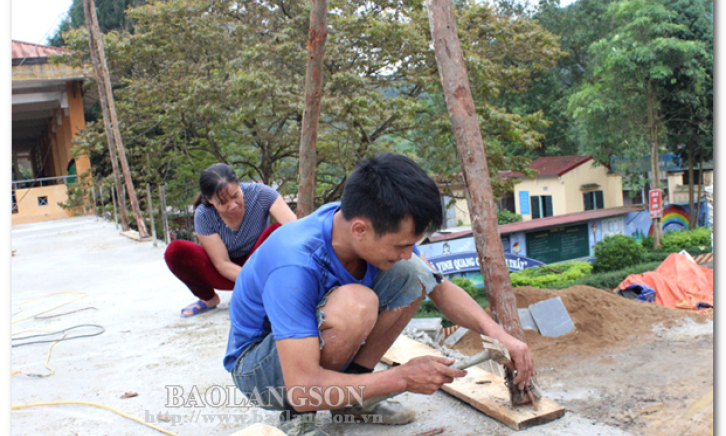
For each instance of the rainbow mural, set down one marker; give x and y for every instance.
(674, 218)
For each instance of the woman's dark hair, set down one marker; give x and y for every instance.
(212, 181)
(389, 187)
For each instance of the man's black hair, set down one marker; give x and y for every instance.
(389, 187)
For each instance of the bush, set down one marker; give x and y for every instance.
(617, 252)
(678, 240)
(465, 284)
(609, 280)
(551, 275)
(655, 256)
(506, 217)
(647, 243)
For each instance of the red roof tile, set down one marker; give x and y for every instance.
(28, 50)
(550, 221)
(555, 165)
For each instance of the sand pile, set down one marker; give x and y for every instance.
(602, 320)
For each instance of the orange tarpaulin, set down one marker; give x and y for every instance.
(679, 283)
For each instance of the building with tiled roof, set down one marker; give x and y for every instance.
(565, 185)
(47, 113)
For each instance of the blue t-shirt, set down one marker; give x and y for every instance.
(258, 200)
(281, 284)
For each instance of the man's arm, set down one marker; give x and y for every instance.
(458, 306)
(300, 361)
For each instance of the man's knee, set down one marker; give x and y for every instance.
(351, 306)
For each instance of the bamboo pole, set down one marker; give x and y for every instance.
(311, 115)
(103, 205)
(95, 202)
(106, 116)
(164, 218)
(470, 147)
(113, 197)
(151, 214)
(96, 34)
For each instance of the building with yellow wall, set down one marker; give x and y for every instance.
(566, 184)
(47, 113)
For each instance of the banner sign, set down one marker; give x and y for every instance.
(656, 203)
(465, 262)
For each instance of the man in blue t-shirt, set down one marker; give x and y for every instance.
(323, 298)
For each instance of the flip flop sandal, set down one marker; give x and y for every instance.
(196, 308)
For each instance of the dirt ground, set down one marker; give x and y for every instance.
(628, 368)
(640, 367)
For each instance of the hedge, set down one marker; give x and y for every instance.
(609, 280)
(550, 275)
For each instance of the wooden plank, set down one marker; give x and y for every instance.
(490, 397)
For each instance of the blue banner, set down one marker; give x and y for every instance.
(465, 262)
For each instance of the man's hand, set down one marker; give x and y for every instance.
(522, 360)
(426, 374)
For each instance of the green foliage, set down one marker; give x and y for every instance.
(201, 83)
(578, 25)
(551, 275)
(678, 240)
(506, 217)
(647, 243)
(75, 197)
(110, 13)
(617, 252)
(610, 280)
(618, 110)
(467, 285)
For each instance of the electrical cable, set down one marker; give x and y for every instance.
(101, 406)
(54, 342)
(64, 338)
(20, 307)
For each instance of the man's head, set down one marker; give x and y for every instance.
(397, 200)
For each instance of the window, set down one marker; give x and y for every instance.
(449, 208)
(541, 206)
(593, 200)
(43, 201)
(697, 178)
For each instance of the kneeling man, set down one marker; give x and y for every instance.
(319, 303)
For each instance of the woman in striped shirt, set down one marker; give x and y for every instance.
(231, 219)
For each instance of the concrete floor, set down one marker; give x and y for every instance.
(148, 349)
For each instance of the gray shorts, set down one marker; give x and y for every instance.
(257, 372)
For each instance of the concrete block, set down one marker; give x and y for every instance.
(455, 337)
(551, 317)
(525, 317)
(430, 326)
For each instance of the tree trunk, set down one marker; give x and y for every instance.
(470, 147)
(700, 184)
(651, 97)
(96, 34)
(311, 114)
(106, 116)
(692, 208)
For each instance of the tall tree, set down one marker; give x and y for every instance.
(577, 25)
(622, 101)
(220, 82)
(111, 16)
(311, 113)
(689, 102)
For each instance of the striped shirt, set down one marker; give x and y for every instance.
(258, 200)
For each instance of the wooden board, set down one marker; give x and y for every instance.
(492, 398)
